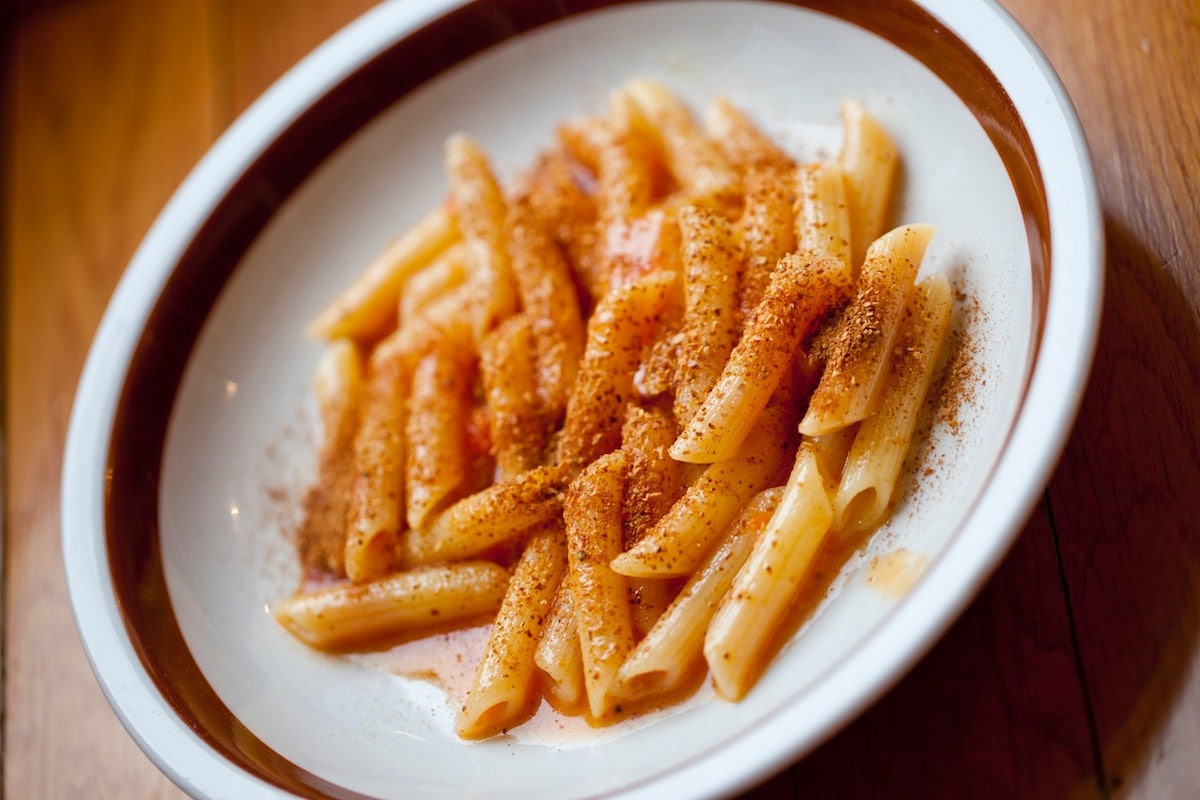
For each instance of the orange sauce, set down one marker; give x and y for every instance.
(447, 660)
(893, 574)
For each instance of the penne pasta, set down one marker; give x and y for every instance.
(655, 373)
(768, 229)
(437, 457)
(869, 161)
(593, 379)
(517, 420)
(862, 337)
(337, 384)
(444, 320)
(626, 163)
(375, 516)
(800, 292)
(823, 218)
(497, 515)
(677, 544)
(481, 210)
(633, 248)
(830, 451)
(504, 687)
(403, 603)
(673, 648)
(558, 656)
(741, 632)
(561, 193)
(583, 138)
(548, 296)
(648, 599)
(653, 484)
(710, 291)
(655, 479)
(592, 516)
(367, 307)
(883, 439)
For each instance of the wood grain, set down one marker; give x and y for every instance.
(1126, 500)
(265, 40)
(1076, 673)
(105, 125)
(995, 710)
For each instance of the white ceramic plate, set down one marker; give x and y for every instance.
(193, 433)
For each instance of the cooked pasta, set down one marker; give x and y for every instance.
(617, 405)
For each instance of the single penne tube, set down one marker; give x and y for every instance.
(877, 454)
(768, 229)
(366, 309)
(800, 292)
(744, 144)
(376, 513)
(655, 480)
(516, 418)
(504, 687)
(862, 338)
(437, 459)
(740, 634)
(350, 615)
(547, 295)
(592, 517)
(617, 331)
(822, 214)
(653, 483)
(447, 272)
(869, 161)
(693, 159)
(338, 384)
(678, 543)
(673, 648)
(481, 211)
(494, 516)
(710, 292)
(558, 655)
(626, 164)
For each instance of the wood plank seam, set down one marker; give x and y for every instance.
(1102, 781)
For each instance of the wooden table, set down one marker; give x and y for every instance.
(1075, 673)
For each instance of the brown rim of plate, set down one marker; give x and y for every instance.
(148, 394)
